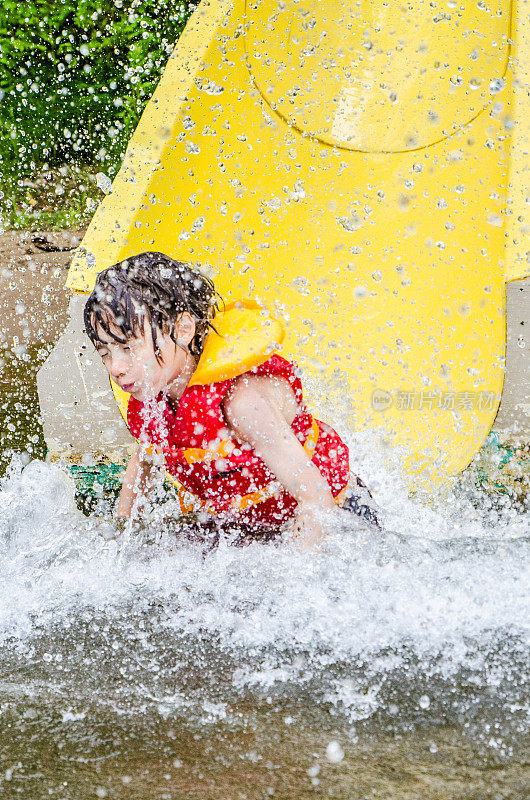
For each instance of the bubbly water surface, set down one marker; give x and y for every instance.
(424, 626)
(429, 617)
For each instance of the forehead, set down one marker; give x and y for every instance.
(118, 313)
(116, 335)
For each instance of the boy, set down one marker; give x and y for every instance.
(244, 445)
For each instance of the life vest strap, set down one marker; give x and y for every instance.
(341, 497)
(197, 455)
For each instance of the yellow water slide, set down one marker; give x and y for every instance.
(358, 168)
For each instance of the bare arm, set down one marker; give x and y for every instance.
(138, 478)
(259, 410)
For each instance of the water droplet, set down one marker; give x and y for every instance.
(103, 182)
(209, 86)
(334, 752)
(497, 85)
(301, 283)
(351, 223)
(425, 701)
(377, 275)
(297, 193)
(494, 219)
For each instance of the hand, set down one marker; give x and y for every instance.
(307, 528)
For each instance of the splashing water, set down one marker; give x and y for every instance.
(426, 622)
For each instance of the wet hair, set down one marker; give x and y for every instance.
(150, 288)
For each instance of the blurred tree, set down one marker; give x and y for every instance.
(75, 76)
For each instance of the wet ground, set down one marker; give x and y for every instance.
(391, 666)
(54, 752)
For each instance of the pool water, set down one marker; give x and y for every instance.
(388, 665)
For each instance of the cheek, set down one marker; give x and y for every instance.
(151, 367)
(145, 362)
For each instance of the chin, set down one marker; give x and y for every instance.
(144, 395)
(140, 395)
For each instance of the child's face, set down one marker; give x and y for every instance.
(134, 367)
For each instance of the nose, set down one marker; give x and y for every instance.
(117, 365)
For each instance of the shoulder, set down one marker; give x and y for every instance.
(274, 381)
(277, 366)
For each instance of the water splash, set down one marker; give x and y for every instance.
(365, 629)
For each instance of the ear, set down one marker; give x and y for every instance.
(185, 329)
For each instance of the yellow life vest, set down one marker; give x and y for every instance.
(245, 336)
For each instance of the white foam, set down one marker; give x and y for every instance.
(443, 590)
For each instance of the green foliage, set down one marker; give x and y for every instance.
(75, 76)
(51, 198)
